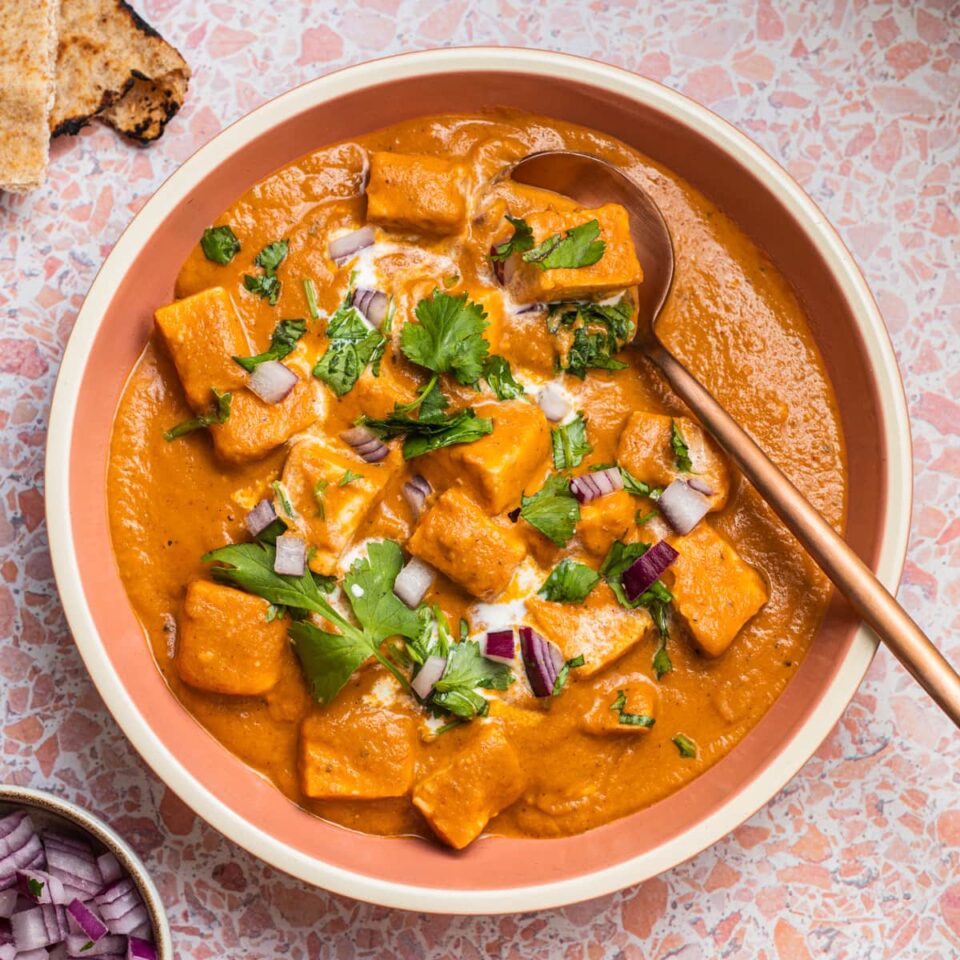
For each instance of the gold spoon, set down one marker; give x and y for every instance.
(593, 182)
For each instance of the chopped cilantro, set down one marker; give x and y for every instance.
(598, 332)
(570, 444)
(569, 582)
(662, 664)
(271, 256)
(35, 887)
(348, 477)
(267, 288)
(319, 491)
(219, 244)
(499, 376)
(578, 247)
(282, 341)
(640, 518)
(685, 745)
(448, 337)
(553, 510)
(466, 670)
(220, 414)
(656, 599)
(520, 242)
(638, 487)
(681, 452)
(267, 285)
(353, 344)
(433, 430)
(629, 719)
(564, 673)
(284, 499)
(310, 292)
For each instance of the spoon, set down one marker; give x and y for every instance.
(593, 182)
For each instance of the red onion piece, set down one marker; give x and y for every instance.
(499, 646)
(682, 507)
(372, 304)
(40, 954)
(554, 402)
(644, 572)
(50, 887)
(415, 492)
(74, 867)
(542, 661)
(257, 520)
(272, 381)
(86, 920)
(8, 903)
(144, 931)
(343, 248)
(366, 444)
(9, 952)
(589, 486)
(413, 582)
(428, 676)
(38, 927)
(105, 946)
(8, 825)
(531, 308)
(110, 868)
(291, 557)
(701, 486)
(140, 949)
(27, 856)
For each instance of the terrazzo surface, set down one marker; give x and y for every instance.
(859, 856)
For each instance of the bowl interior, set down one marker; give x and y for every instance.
(246, 806)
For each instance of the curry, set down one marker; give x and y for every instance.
(414, 533)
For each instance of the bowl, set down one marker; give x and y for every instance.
(48, 810)
(495, 874)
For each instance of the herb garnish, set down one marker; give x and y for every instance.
(629, 719)
(282, 341)
(599, 331)
(310, 292)
(641, 518)
(220, 414)
(267, 285)
(499, 377)
(685, 745)
(681, 452)
(219, 244)
(520, 242)
(35, 887)
(564, 673)
(553, 510)
(577, 247)
(434, 428)
(466, 670)
(348, 477)
(283, 497)
(656, 599)
(319, 492)
(570, 444)
(353, 344)
(662, 664)
(569, 582)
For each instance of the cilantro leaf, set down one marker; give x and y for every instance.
(578, 247)
(432, 431)
(656, 599)
(448, 337)
(681, 452)
(598, 332)
(35, 887)
(353, 344)
(267, 285)
(630, 719)
(569, 582)
(348, 477)
(638, 488)
(685, 746)
(271, 256)
(468, 669)
(328, 659)
(564, 673)
(219, 244)
(267, 288)
(369, 588)
(553, 510)
(499, 377)
(520, 242)
(220, 414)
(662, 664)
(282, 341)
(570, 444)
(310, 292)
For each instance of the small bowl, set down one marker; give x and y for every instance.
(48, 810)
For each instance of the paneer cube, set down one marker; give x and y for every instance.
(496, 468)
(599, 629)
(419, 193)
(604, 520)
(460, 540)
(225, 644)
(640, 699)
(329, 511)
(362, 753)
(617, 269)
(528, 343)
(645, 450)
(377, 396)
(203, 333)
(461, 798)
(714, 590)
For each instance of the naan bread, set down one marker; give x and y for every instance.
(113, 64)
(28, 47)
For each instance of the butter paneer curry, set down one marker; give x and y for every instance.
(412, 531)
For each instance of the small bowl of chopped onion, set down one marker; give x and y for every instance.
(72, 887)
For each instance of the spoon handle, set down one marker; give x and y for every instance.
(849, 573)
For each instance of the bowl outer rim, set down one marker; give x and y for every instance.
(805, 739)
(93, 825)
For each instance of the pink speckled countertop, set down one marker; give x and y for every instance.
(859, 857)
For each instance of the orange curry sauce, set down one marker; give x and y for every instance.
(731, 317)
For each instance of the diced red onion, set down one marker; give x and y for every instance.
(272, 381)
(140, 949)
(109, 866)
(19, 830)
(590, 486)
(428, 676)
(65, 842)
(39, 954)
(29, 855)
(554, 402)
(291, 556)
(415, 492)
(59, 952)
(343, 248)
(8, 903)
(72, 867)
(682, 506)
(8, 825)
(77, 945)
(86, 920)
(499, 645)
(701, 486)
(413, 582)
(366, 444)
(8, 951)
(51, 887)
(38, 927)
(256, 521)
(646, 570)
(542, 661)
(372, 304)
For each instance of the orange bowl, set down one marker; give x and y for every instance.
(495, 874)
